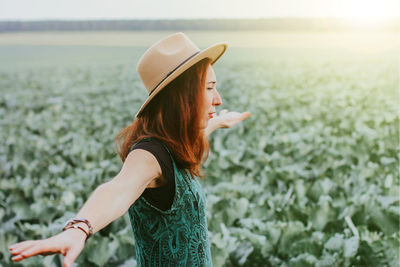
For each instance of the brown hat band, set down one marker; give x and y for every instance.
(169, 73)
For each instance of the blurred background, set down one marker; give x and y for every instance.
(310, 179)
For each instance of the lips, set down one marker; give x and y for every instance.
(210, 115)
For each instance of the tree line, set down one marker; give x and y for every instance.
(271, 24)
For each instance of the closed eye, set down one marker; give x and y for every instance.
(210, 88)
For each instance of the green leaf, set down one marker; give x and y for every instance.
(335, 243)
(351, 247)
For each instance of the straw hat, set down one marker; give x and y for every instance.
(168, 58)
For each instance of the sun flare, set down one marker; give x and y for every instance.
(368, 11)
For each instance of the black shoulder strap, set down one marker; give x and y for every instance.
(172, 158)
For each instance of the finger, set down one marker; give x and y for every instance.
(19, 247)
(17, 258)
(19, 244)
(245, 115)
(40, 247)
(71, 255)
(224, 111)
(32, 251)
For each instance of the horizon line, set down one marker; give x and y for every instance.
(198, 18)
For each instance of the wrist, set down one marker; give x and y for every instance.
(81, 224)
(77, 234)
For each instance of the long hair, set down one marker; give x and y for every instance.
(174, 116)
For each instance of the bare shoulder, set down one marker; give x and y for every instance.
(140, 166)
(141, 156)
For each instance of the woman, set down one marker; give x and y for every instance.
(162, 151)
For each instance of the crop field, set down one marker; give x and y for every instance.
(311, 178)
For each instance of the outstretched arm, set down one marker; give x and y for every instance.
(107, 203)
(225, 119)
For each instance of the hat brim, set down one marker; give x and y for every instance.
(213, 52)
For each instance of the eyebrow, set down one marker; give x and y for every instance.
(212, 82)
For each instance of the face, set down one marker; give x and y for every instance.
(212, 97)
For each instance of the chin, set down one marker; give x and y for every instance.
(204, 124)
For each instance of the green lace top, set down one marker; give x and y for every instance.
(177, 236)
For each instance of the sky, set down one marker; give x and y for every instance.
(190, 9)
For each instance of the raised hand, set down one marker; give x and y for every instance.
(68, 243)
(227, 119)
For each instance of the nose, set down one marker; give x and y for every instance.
(217, 100)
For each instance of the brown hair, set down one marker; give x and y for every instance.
(174, 116)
